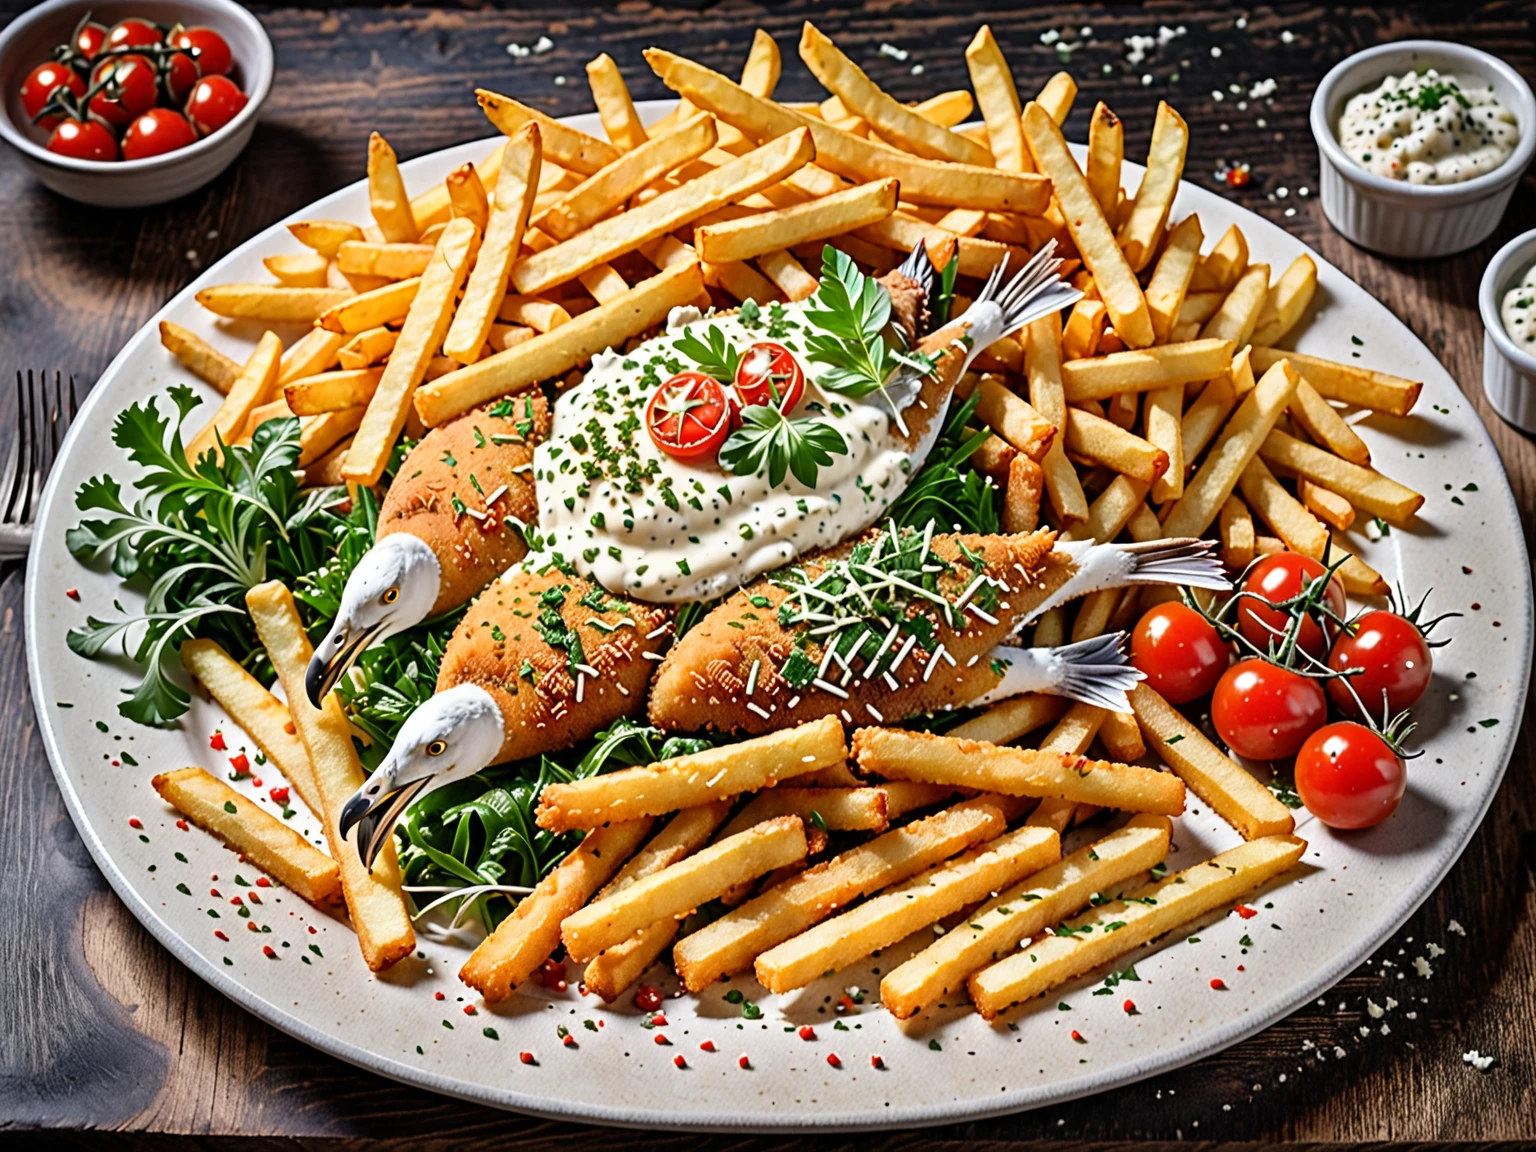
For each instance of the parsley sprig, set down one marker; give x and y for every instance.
(850, 312)
(769, 439)
(714, 356)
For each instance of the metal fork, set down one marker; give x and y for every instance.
(43, 415)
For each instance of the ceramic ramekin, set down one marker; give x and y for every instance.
(1396, 218)
(28, 40)
(1509, 371)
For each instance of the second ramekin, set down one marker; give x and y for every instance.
(1509, 371)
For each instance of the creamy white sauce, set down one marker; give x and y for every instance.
(1518, 311)
(725, 529)
(1428, 128)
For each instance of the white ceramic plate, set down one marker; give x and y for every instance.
(1355, 891)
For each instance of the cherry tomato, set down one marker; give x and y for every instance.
(688, 417)
(1278, 578)
(158, 131)
(1396, 660)
(83, 140)
(1179, 651)
(179, 72)
(215, 101)
(1348, 776)
(40, 85)
(132, 33)
(212, 52)
(90, 37)
(1266, 712)
(770, 374)
(128, 89)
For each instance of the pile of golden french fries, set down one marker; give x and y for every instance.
(1160, 407)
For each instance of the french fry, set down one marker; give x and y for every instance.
(1022, 911)
(693, 779)
(1120, 736)
(420, 339)
(560, 349)
(859, 809)
(332, 391)
(1144, 369)
(603, 283)
(1142, 231)
(1170, 279)
(788, 274)
(742, 281)
(254, 386)
(1057, 96)
(530, 311)
(1322, 422)
(760, 74)
(373, 896)
(676, 890)
(467, 197)
(1163, 417)
(1236, 528)
(894, 121)
(896, 913)
(947, 108)
(1021, 499)
(1223, 264)
(1362, 387)
(1208, 413)
(561, 144)
(383, 305)
(1009, 416)
(325, 236)
(202, 359)
(1110, 511)
(256, 834)
(1106, 151)
(326, 471)
(1239, 312)
(1237, 445)
(831, 215)
(1008, 720)
(366, 348)
(387, 198)
(1286, 301)
(1329, 507)
(1198, 307)
(1303, 532)
(299, 269)
(732, 942)
(999, 100)
(386, 261)
(924, 757)
(616, 235)
(1090, 231)
(272, 303)
(1085, 325)
(525, 939)
(614, 106)
(1103, 442)
(1043, 342)
(1157, 908)
(922, 181)
(312, 353)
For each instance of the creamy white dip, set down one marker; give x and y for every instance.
(1428, 128)
(648, 525)
(1518, 311)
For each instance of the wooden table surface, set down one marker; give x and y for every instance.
(101, 1029)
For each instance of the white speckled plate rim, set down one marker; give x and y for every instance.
(736, 1101)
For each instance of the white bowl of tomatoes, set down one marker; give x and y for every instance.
(123, 105)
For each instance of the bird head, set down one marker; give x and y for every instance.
(452, 736)
(393, 587)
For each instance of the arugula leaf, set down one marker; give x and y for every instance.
(717, 357)
(768, 438)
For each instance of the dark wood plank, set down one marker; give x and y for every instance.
(100, 1027)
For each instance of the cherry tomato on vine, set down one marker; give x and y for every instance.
(179, 73)
(89, 39)
(1279, 578)
(1396, 660)
(212, 52)
(158, 131)
(132, 33)
(1264, 711)
(770, 374)
(215, 101)
(689, 416)
(41, 84)
(83, 140)
(1179, 651)
(128, 89)
(1349, 777)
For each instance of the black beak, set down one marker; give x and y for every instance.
(375, 819)
(321, 675)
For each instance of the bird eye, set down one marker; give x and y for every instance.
(437, 747)
(391, 596)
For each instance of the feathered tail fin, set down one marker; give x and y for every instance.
(1092, 671)
(1185, 560)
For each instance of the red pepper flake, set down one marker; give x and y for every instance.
(269, 952)
(845, 1003)
(438, 996)
(661, 1038)
(263, 882)
(72, 593)
(219, 932)
(214, 892)
(1078, 1036)
(256, 781)
(290, 729)
(469, 1010)
(658, 1021)
(279, 794)
(253, 898)
(117, 763)
(240, 763)
(1239, 177)
(1130, 1007)
(252, 926)
(877, 1063)
(1476, 607)
(743, 1062)
(568, 1040)
(834, 1059)
(135, 822)
(679, 1062)
(1217, 984)
(648, 998)
(581, 988)
(707, 1046)
(1241, 968)
(216, 742)
(236, 901)
(182, 824)
(526, 1057)
(1246, 912)
(807, 1032)
(313, 931)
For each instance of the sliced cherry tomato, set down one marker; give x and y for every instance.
(39, 88)
(1396, 660)
(127, 88)
(1179, 651)
(215, 101)
(1279, 578)
(158, 131)
(83, 140)
(770, 374)
(178, 72)
(90, 38)
(1349, 777)
(209, 48)
(133, 33)
(689, 417)
(1266, 712)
